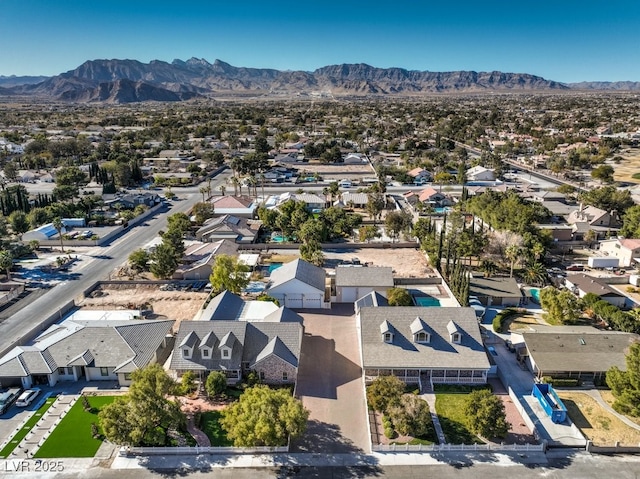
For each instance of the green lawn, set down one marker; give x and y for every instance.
(210, 425)
(22, 433)
(450, 404)
(72, 437)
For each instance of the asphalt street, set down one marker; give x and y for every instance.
(28, 321)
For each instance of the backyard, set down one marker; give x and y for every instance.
(450, 405)
(597, 424)
(210, 425)
(72, 436)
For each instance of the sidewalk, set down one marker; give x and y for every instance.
(431, 401)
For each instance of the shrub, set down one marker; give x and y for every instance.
(388, 427)
(384, 392)
(501, 318)
(561, 382)
(216, 383)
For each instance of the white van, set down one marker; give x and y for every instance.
(345, 184)
(27, 397)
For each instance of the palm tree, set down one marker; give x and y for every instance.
(512, 253)
(235, 182)
(203, 192)
(223, 190)
(262, 178)
(58, 225)
(488, 267)
(535, 274)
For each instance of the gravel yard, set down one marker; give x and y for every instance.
(176, 305)
(406, 262)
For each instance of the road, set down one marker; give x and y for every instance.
(28, 321)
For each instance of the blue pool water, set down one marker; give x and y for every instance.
(255, 287)
(274, 266)
(535, 294)
(441, 210)
(426, 301)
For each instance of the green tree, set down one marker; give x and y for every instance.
(561, 306)
(202, 212)
(625, 385)
(397, 222)
(144, 416)
(139, 260)
(488, 267)
(608, 198)
(164, 261)
(384, 392)
(19, 222)
(603, 173)
(411, 417)
(216, 383)
(399, 297)
(187, 383)
(229, 274)
(512, 253)
(6, 262)
(375, 205)
(535, 274)
(264, 417)
(631, 223)
(59, 226)
(486, 414)
(368, 232)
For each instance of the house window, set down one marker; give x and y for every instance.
(388, 337)
(70, 371)
(104, 371)
(245, 365)
(127, 376)
(455, 337)
(60, 370)
(206, 353)
(285, 376)
(186, 353)
(422, 337)
(261, 375)
(226, 354)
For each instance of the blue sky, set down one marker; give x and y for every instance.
(560, 40)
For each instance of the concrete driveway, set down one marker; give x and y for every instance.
(330, 383)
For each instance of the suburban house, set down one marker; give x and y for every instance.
(271, 349)
(129, 202)
(312, 201)
(559, 232)
(495, 291)
(431, 196)
(352, 282)
(42, 233)
(355, 200)
(575, 352)
(354, 159)
(227, 306)
(94, 350)
(480, 173)
(591, 218)
(198, 259)
(582, 284)
(420, 176)
(298, 284)
(238, 206)
(422, 345)
(234, 228)
(625, 249)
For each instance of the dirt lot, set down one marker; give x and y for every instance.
(631, 165)
(177, 305)
(406, 262)
(327, 169)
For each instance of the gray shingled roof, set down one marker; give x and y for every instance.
(377, 277)
(579, 352)
(251, 341)
(101, 343)
(494, 287)
(372, 299)
(301, 270)
(589, 284)
(276, 347)
(283, 315)
(403, 352)
(225, 306)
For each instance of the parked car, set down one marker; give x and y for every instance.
(575, 267)
(27, 397)
(8, 397)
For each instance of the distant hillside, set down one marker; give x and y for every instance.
(125, 81)
(606, 85)
(13, 80)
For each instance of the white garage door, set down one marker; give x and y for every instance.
(312, 303)
(349, 295)
(293, 301)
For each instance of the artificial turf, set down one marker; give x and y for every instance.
(73, 437)
(22, 433)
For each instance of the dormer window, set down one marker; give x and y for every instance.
(454, 332)
(226, 353)
(387, 332)
(388, 337)
(206, 353)
(186, 353)
(422, 337)
(455, 338)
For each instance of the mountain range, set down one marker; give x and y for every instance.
(126, 81)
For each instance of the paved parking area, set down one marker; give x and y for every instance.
(330, 384)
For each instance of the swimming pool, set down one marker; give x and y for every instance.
(273, 266)
(426, 301)
(255, 287)
(535, 294)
